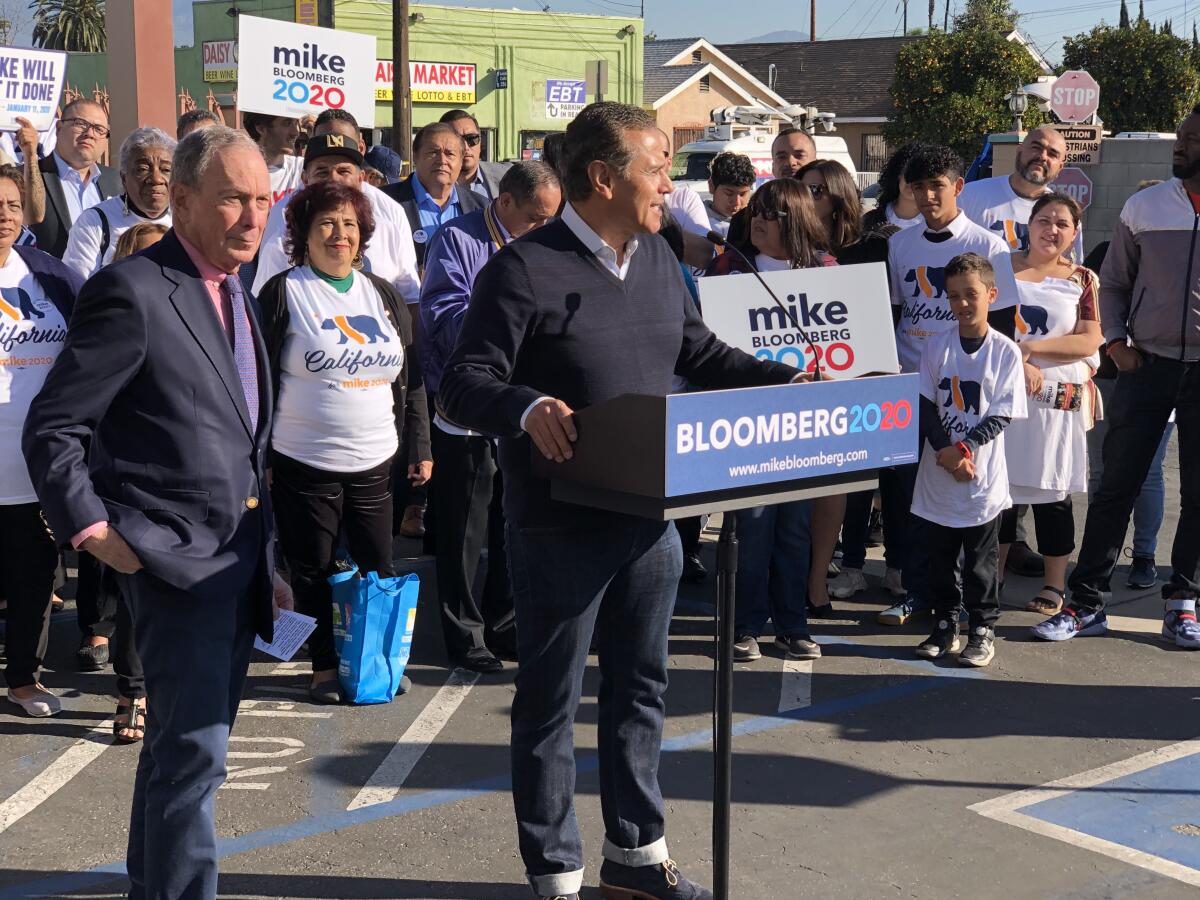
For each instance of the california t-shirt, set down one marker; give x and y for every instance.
(917, 258)
(992, 203)
(32, 331)
(967, 388)
(339, 360)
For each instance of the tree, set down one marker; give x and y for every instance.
(988, 15)
(932, 10)
(950, 89)
(1141, 19)
(74, 25)
(1124, 15)
(14, 16)
(1148, 81)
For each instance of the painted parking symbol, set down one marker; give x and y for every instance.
(1139, 810)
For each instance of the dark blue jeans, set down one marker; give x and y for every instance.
(1142, 401)
(902, 530)
(774, 552)
(195, 657)
(619, 583)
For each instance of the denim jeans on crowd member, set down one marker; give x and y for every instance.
(774, 551)
(1148, 508)
(1142, 401)
(895, 498)
(617, 581)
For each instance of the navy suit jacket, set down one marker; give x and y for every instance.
(142, 423)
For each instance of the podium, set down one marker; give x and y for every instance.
(667, 458)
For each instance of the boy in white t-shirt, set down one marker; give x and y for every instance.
(972, 386)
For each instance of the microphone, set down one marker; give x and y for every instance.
(713, 238)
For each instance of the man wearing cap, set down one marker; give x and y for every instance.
(385, 161)
(334, 154)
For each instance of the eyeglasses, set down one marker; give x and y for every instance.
(83, 126)
(472, 139)
(817, 190)
(770, 215)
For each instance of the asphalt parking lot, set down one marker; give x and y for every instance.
(1061, 771)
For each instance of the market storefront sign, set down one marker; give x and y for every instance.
(220, 60)
(431, 82)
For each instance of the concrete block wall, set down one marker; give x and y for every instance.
(1123, 164)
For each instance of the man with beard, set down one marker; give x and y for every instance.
(1150, 311)
(1003, 204)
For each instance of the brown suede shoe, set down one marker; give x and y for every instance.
(413, 525)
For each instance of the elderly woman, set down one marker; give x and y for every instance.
(345, 366)
(145, 160)
(38, 295)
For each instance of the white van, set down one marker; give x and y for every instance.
(689, 167)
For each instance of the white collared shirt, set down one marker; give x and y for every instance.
(79, 195)
(606, 255)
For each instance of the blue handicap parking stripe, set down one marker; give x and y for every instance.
(1139, 811)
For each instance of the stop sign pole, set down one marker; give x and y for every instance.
(1075, 96)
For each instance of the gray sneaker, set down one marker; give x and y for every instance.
(799, 646)
(981, 647)
(745, 649)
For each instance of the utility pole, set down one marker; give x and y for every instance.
(812, 20)
(401, 91)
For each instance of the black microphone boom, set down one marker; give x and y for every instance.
(713, 238)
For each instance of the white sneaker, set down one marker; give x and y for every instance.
(848, 583)
(40, 705)
(893, 583)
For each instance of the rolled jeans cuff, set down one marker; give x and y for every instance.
(650, 855)
(565, 883)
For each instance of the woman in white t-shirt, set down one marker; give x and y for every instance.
(348, 382)
(145, 160)
(37, 293)
(1058, 331)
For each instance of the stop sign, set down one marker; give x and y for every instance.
(1075, 96)
(1074, 183)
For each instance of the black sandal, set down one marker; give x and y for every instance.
(1046, 606)
(130, 717)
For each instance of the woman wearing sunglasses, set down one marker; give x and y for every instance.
(776, 546)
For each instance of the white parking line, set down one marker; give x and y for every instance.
(46, 783)
(385, 784)
(795, 692)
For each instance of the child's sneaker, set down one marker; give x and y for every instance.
(1070, 623)
(981, 647)
(1179, 618)
(943, 640)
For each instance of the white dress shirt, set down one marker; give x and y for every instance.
(596, 245)
(80, 195)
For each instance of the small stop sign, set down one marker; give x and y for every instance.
(1075, 96)
(1075, 184)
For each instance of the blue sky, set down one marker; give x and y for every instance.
(1046, 21)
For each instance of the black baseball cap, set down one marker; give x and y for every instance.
(332, 145)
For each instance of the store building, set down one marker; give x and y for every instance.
(521, 73)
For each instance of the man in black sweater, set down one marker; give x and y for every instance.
(582, 310)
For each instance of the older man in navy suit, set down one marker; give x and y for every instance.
(148, 449)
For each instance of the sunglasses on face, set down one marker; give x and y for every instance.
(769, 215)
(818, 190)
(472, 139)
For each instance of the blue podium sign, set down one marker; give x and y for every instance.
(733, 439)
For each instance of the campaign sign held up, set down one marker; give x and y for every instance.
(730, 439)
(845, 311)
(293, 70)
(30, 86)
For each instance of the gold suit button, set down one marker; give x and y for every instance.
(251, 503)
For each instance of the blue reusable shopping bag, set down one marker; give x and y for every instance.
(373, 621)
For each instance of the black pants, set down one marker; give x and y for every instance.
(1142, 401)
(980, 590)
(95, 599)
(467, 504)
(312, 508)
(690, 530)
(27, 567)
(1054, 524)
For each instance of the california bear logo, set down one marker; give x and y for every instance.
(1031, 320)
(360, 329)
(929, 280)
(17, 304)
(1015, 234)
(964, 395)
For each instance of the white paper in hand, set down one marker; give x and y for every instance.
(291, 630)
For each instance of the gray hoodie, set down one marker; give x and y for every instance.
(1150, 280)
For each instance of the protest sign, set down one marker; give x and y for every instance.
(30, 86)
(300, 70)
(845, 311)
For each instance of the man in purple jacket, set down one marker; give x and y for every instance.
(467, 499)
